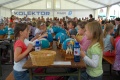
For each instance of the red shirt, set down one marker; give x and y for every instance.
(116, 40)
(21, 44)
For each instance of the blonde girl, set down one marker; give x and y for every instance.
(93, 57)
(108, 40)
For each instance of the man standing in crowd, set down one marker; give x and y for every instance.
(91, 18)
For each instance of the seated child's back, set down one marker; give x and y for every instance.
(108, 40)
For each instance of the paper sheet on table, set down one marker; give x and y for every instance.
(62, 63)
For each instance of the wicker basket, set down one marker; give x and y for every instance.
(42, 57)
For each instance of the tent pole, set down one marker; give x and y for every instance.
(108, 12)
(54, 8)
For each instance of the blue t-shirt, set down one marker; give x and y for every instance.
(107, 43)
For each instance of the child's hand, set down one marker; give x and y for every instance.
(50, 25)
(44, 35)
(82, 54)
(37, 36)
(30, 46)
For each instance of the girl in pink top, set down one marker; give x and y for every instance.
(84, 43)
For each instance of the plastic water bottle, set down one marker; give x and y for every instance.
(37, 46)
(8, 33)
(76, 52)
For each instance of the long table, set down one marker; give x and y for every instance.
(28, 65)
(110, 60)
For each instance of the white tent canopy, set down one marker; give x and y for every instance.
(41, 4)
(6, 6)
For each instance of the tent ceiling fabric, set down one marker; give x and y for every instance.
(108, 2)
(8, 2)
(4, 1)
(26, 4)
(89, 4)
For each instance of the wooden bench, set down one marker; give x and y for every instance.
(110, 60)
(10, 76)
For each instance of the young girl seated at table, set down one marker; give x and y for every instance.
(21, 51)
(81, 30)
(42, 33)
(84, 43)
(108, 40)
(116, 65)
(93, 58)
